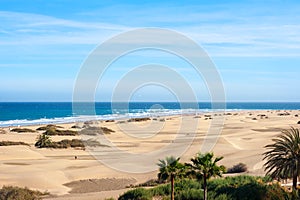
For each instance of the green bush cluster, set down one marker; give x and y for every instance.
(10, 143)
(137, 194)
(139, 119)
(53, 131)
(49, 126)
(238, 168)
(229, 188)
(93, 130)
(22, 130)
(44, 141)
(13, 193)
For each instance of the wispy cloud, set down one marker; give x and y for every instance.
(222, 33)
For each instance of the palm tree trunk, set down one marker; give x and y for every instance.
(204, 188)
(172, 187)
(295, 179)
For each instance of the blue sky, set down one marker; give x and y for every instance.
(255, 45)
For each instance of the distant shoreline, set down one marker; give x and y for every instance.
(35, 113)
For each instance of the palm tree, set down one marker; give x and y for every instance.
(204, 166)
(169, 169)
(43, 141)
(283, 156)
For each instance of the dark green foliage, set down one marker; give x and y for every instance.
(283, 156)
(9, 143)
(149, 183)
(23, 130)
(68, 143)
(93, 130)
(169, 170)
(204, 167)
(189, 194)
(136, 194)
(53, 131)
(229, 188)
(49, 126)
(44, 141)
(161, 190)
(15, 193)
(139, 119)
(75, 126)
(247, 188)
(238, 168)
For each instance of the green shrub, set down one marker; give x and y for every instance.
(49, 126)
(139, 119)
(10, 143)
(189, 194)
(230, 188)
(246, 188)
(44, 141)
(76, 127)
(136, 194)
(69, 143)
(93, 130)
(149, 183)
(53, 131)
(14, 193)
(238, 168)
(22, 130)
(161, 190)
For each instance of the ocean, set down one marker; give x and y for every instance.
(28, 113)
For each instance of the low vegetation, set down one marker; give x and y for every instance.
(229, 188)
(283, 157)
(13, 193)
(76, 127)
(138, 194)
(139, 119)
(10, 143)
(44, 141)
(93, 130)
(49, 126)
(22, 130)
(53, 131)
(238, 168)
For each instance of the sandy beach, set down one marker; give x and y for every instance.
(243, 137)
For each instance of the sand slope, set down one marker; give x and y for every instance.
(242, 140)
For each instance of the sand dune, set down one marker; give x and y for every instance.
(56, 170)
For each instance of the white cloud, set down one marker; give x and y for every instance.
(221, 32)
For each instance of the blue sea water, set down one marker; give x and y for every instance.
(14, 114)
